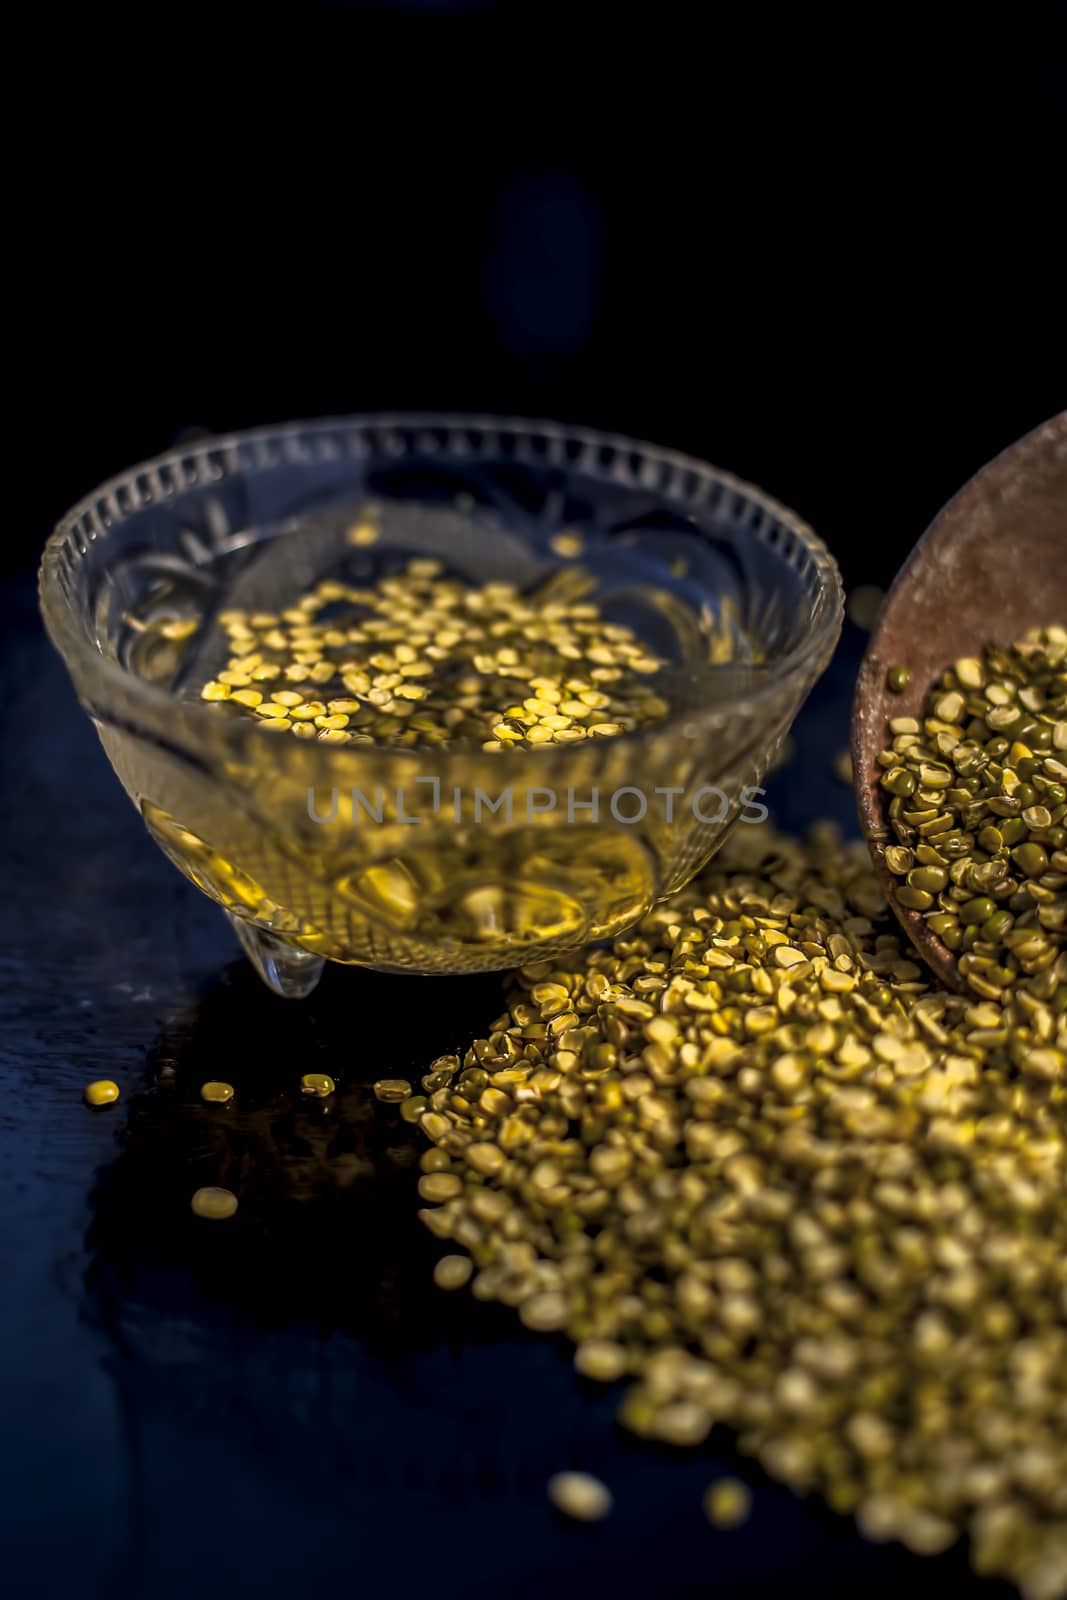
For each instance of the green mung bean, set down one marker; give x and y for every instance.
(998, 821)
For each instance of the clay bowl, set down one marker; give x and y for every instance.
(992, 564)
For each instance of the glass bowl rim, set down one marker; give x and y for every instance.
(95, 669)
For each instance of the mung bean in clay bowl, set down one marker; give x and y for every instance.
(960, 728)
(436, 694)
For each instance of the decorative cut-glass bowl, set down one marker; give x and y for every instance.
(436, 860)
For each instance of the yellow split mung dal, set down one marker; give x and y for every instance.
(421, 659)
(753, 1158)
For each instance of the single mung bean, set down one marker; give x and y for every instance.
(392, 1090)
(452, 1272)
(317, 1085)
(914, 899)
(544, 1312)
(899, 781)
(727, 1503)
(438, 1186)
(214, 1204)
(102, 1092)
(600, 1359)
(216, 1092)
(977, 910)
(580, 1496)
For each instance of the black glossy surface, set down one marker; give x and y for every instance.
(285, 1404)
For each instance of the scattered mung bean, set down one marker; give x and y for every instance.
(727, 1503)
(317, 1085)
(824, 1205)
(216, 1092)
(452, 1272)
(216, 1205)
(579, 1496)
(392, 1090)
(103, 1092)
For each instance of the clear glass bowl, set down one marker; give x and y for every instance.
(417, 873)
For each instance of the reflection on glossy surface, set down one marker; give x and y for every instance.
(326, 1229)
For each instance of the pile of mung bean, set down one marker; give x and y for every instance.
(424, 659)
(752, 1159)
(979, 811)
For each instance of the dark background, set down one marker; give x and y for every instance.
(820, 247)
(821, 250)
